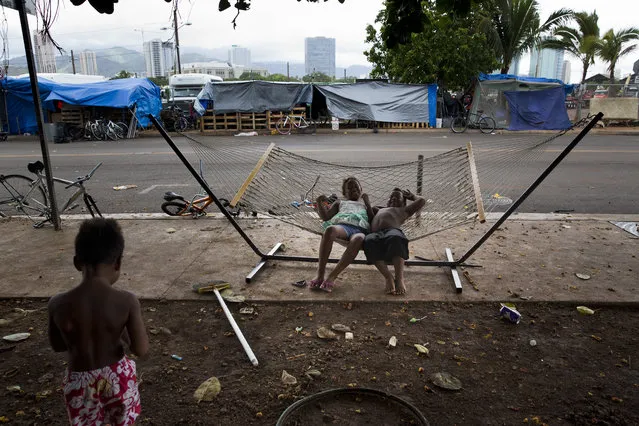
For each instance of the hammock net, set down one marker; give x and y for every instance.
(459, 185)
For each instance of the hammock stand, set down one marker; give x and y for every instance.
(450, 262)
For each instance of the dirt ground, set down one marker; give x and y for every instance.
(582, 370)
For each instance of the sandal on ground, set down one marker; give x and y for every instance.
(327, 286)
(315, 284)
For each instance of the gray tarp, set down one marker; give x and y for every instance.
(379, 101)
(252, 96)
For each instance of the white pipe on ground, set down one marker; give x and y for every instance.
(237, 330)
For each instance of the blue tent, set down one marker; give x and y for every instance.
(121, 93)
(538, 110)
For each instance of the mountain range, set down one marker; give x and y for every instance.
(112, 61)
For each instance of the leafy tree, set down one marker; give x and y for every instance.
(280, 77)
(448, 51)
(581, 42)
(348, 79)
(513, 27)
(251, 76)
(611, 48)
(317, 77)
(160, 81)
(122, 74)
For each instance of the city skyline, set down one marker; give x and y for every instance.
(43, 52)
(319, 55)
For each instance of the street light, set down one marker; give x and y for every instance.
(177, 40)
(141, 30)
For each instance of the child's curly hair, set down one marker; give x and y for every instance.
(99, 241)
(346, 181)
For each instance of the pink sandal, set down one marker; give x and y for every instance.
(315, 284)
(327, 286)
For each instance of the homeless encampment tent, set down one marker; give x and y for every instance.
(522, 103)
(129, 93)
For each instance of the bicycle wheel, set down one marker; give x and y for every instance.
(18, 196)
(458, 125)
(124, 128)
(97, 132)
(180, 124)
(174, 208)
(486, 125)
(284, 126)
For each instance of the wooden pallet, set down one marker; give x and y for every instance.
(403, 125)
(241, 121)
(72, 115)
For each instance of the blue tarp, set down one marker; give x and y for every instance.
(538, 110)
(121, 93)
(568, 88)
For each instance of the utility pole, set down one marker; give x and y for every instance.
(288, 71)
(35, 91)
(177, 41)
(72, 62)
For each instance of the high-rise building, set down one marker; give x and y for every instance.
(547, 63)
(240, 56)
(566, 72)
(169, 57)
(43, 47)
(88, 63)
(319, 55)
(154, 58)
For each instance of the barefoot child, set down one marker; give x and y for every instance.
(90, 322)
(347, 220)
(387, 242)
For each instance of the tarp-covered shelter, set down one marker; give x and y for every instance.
(252, 96)
(499, 96)
(122, 93)
(367, 101)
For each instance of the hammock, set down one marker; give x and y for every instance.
(459, 185)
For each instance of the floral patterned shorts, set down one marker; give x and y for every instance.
(105, 395)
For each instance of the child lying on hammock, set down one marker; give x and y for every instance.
(347, 220)
(387, 243)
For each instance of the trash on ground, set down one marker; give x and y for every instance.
(392, 342)
(348, 335)
(341, 328)
(170, 230)
(299, 329)
(583, 310)
(566, 226)
(247, 134)
(414, 320)
(582, 276)
(511, 314)
(421, 349)
(446, 381)
(247, 311)
(325, 333)
(17, 337)
(300, 284)
(312, 373)
(14, 388)
(124, 187)
(176, 357)
(208, 390)
(628, 227)
(533, 342)
(288, 379)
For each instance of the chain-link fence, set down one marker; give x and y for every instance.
(586, 92)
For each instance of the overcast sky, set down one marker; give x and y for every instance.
(272, 29)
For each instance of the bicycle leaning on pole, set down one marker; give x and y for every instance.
(21, 195)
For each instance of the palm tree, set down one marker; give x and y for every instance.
(581, 42)
(514, 27)
(611, 48)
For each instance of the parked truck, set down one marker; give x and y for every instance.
(184, 88)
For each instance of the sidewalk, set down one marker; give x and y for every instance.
(532, 257)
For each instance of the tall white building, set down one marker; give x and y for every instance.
(547, 63)
(88, 63)
(43, 49)
(240, 56)
(319, 55)
(154, 58)
(566, 72)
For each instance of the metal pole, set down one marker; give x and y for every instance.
(177, 41)
(73, 62)
(420, 174)
(33, 77)
(532, 187)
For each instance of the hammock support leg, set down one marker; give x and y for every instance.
(453, 270)
(277, 247)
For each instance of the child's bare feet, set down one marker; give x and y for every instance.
(400, 287)
(390, 286)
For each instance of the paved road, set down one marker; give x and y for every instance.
(600, 176)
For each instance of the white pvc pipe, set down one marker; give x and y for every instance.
(237, 330)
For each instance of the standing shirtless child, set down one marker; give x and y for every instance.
(387, 242)
(90, 322)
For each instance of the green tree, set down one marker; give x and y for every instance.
(447, 51)
(252, 76)
(611, 48)
(581, 42)
(122, 74)
(316, 77)
(280, 77)
(160, 81)
(513, 27)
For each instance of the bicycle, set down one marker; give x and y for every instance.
(460, 123)
(177, 205)
(22, 195)
(285, 124)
